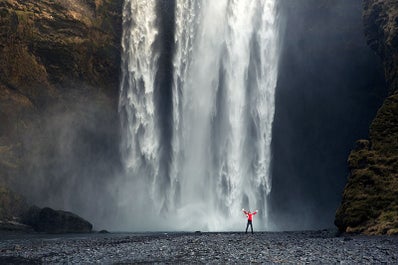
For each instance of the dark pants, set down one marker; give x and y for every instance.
(251, 225)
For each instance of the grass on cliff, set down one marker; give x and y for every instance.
(370, 199)
(384, 128)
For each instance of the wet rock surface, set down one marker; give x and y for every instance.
(263, 247)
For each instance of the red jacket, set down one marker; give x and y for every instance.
(250, 215)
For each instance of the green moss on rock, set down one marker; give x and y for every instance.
(370, 198)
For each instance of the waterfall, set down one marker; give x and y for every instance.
(197, 105)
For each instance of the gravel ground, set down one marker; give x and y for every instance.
(263, 247)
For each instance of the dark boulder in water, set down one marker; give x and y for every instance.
(51, 221)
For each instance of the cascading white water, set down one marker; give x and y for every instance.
(225, 62)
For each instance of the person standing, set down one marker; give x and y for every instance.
(249, 216)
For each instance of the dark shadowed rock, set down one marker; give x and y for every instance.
(15, 227)
(51, 221)
(370, 199)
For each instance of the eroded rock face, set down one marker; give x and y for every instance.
(370, 199)
(59, 73)
(47, 45)
(381, 30)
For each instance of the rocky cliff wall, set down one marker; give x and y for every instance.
(370, 199)
(59, 74)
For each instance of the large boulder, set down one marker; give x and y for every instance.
(17, 215)
(55, 221)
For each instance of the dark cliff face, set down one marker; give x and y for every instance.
(370, 199)
(59, 74)
(329, 88)
(381, 30)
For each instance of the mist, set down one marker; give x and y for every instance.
(71, 156)
(330, 86)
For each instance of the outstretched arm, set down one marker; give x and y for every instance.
(255, 212)
(243, 210)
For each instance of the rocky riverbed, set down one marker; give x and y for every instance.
(263, 247)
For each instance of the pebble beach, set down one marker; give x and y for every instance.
(309, 247)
